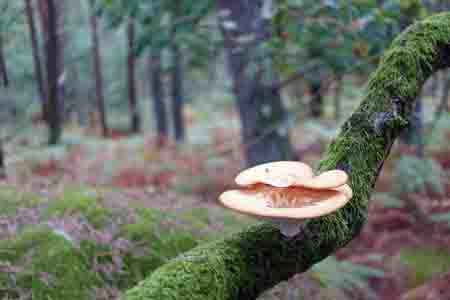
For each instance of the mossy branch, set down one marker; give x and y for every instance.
(246, 264)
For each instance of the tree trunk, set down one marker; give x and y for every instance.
(3, 69)
(413, 134)
(249, 262)
(434, 87)
(316, 99)
(98, 70)
(59, 25)
(416, 130)
(159, 107)
(134, 111)
(36, 56)
(264, 132)
(445, 93)
(52, 54)
(2, 161)
(177, 94)
(443, 105)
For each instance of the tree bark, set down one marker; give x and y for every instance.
(36, 56)
(249, 262)
(435, 81)
(443, 105)
(53, 58)
(316, 104)
(43, 7)
(265, 134)
(445, 93)
(159, 107)
(177, 94)
(134, 111)
(2, 161)
(3, 68)
(413, 134)
(98, 70)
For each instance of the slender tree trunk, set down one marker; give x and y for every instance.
(2, 161)
(418, 124)
(264, 121)
(435, 81)
(61, 35)
(413, 135)
(3, 69)
(134, 112)
(443, 105)
(52, 54)
(177, 94)
(98, 70)
(36, 57)
(159, 107)
(316, 99)
(445, 93)
(43, 7)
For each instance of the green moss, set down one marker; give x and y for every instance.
(425, 263)
(159, 244)
(247, 263)
(11, 200)
(44, 252)
(80, 202)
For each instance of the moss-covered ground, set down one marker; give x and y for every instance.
(77, 246)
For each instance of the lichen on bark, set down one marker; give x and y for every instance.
(245, 264)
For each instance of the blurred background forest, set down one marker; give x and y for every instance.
(122, 121)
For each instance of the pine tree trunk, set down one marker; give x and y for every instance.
(265, 134)
(316, 99)
(36, 56)
(445, 93)
(157, 91)
(134, 111)
(443, 105)
(3, 68)
(52, 54)
(59, 36)
(98, 70)
(2, 161)
(413, 134)
(434, 87)
(177, 94)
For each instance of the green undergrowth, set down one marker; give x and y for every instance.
(425, 263)
(157, 242)
(11, 200)
(52, 268)
(82, 202)
(54, 263)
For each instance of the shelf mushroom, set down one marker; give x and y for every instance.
(288, 193)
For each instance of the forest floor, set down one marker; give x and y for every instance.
(404, 247)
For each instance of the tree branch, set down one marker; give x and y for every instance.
(247, 263)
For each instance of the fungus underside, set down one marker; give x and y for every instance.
(247, 263)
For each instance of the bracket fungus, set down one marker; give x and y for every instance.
(287, 193)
